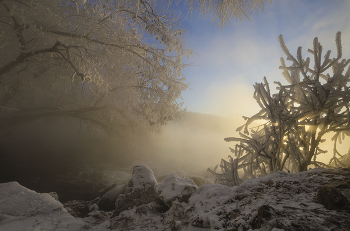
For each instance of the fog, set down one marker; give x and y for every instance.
(66, 157)
(193, 143)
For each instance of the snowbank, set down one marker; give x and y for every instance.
(22, 209)
(16, 200)
(278, 202)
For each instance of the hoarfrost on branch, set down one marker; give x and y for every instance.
(111, 64)
(296, 118)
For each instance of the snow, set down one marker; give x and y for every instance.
(115, 192)
(176, 187)
(287, 198)
(16, 200)
(22, 209)
(142, 177)
(208, 197)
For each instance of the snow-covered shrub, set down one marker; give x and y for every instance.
(296, 119)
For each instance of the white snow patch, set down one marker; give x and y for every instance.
(175, 187)
(16, 200)
(22, 209)
(142, 176)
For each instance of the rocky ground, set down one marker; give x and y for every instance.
(314, 200)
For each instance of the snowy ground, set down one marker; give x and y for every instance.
(280, 201)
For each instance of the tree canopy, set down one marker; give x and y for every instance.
(111, 64)
(225, 10)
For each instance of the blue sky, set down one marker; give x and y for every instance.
(232, 60)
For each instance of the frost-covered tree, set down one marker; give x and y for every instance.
(313, 104)
(109, 63)
(225, 10)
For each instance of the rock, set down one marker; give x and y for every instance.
(175, 187)
(265, 213)
(79, 208)
(141, 189)
(199, 180)
(96, 217)
(54, 195)
(175, 215)
(241, 196)
(142, 217)
(106, 204)
(200, 222)
(107, 201)
(115, 192)
(16, 200)
(331, 197)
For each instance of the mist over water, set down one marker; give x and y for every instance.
(64, 156)
(194, 143)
